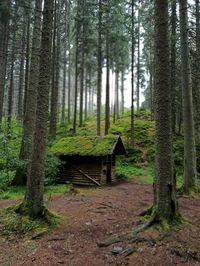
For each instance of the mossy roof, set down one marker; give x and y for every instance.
(88, 146)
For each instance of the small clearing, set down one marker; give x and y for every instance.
(93, 215)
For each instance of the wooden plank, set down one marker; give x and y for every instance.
(89, 177)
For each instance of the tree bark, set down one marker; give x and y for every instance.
(21, 78)
(13, 55)
(76, 69)
(63, 118)
(190, 175)
(27, 71)
(30, 112)
(56, 71)
(132, 70)
(82, 65)
(164, 185)
(99, 72)
(138, 65)
(173, 63)
(35, 184)
(4, 29)
(107, 118)
(196, 95)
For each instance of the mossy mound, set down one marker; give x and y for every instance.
(12, 223)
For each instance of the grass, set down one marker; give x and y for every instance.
(19, 191)
(131, 171)
(12, 224)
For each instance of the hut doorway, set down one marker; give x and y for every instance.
(108, 172)
(109, 177)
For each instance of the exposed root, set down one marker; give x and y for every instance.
(129, 236)
(155, 218)
(186, 254)
(147, 211)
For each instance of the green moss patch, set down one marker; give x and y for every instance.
(12, 224)
(85, 146)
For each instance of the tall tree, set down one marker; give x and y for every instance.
(82, 63)
(132, 69)
(56, 71)
(99, 72)
(12, 68)
(190, 176)
(196, 90)
(30, 113)
(173, 62)
(63, 118)
(77, 26)
(164, 185)
(107, 112)
(21, 77)
(33, 201)
(4, 32)
(27, 71)
(138, 61)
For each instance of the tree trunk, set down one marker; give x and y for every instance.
(117, 94)
(33, 201)
(99, 72)
(197, 72)
(3, 60)
(122, 92)
(164, 185)
(21, 78)
(190, 176)
(173, 63)
(30, 113)
(76, 70)
(27, 72)
(138, 65)
(63, 118)
(82, 65)
(13, 55)
(56, 71)
(86, 95)
(69, 63)
(107, 118)
(132, 70)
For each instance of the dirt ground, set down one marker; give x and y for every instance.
(95, 215)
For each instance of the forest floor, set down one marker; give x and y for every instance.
(94, 215)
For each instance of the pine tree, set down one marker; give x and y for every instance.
(190, 177)
(164, 183)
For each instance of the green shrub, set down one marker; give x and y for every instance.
(52, 164)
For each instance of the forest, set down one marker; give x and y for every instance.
(99, 132)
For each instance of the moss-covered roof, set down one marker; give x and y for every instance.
(88, 146)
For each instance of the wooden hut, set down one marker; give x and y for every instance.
(88, 160)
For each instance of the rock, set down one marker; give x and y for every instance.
(116, 250)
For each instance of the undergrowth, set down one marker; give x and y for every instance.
(12, 224)
(17, 192)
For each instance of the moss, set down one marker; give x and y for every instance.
(84, 146)
(163, 221)
(38, 212)
(13, 223)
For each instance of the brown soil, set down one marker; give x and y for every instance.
(95, 215)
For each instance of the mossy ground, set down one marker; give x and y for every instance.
(12, 224)
(17, 192)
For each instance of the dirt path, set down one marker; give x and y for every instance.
(96, 215)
